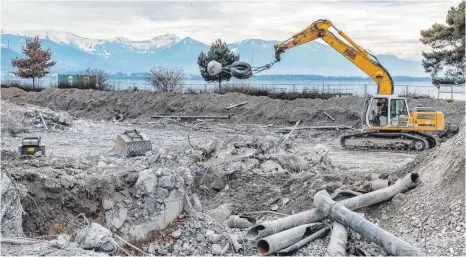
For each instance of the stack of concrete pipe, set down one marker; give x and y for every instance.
(289, 233)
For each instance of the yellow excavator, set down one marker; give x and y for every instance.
(390, 124)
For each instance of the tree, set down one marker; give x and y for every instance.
(219, 52)
(37, 63)
(445, 62)
(165, 79)
(101, 78)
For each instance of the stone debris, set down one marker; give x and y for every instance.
(216, 249)
(47, 248)
(11, 208)
(176, 234)
(285, 201)
(221, 213)
(95, 237)
(175, 200)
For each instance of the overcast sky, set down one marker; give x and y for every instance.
(384, 27)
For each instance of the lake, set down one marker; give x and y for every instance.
(329, 86)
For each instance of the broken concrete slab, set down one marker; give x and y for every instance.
(221, 213)
(292, 162)
(270, 166)
(147, 181)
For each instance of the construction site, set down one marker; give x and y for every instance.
(141, 173)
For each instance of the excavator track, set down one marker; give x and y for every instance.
(398, 141)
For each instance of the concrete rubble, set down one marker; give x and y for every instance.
(11, 209)
(181, 197)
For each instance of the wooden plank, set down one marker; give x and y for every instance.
(318, 127)
(191, 117)
(329, 116)
(236, 105)
(43, 121)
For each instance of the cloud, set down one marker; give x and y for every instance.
(382, 26)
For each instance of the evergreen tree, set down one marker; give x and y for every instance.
(37, 63)
(219, 52)
(445, 62)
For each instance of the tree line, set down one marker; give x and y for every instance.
(445, 62)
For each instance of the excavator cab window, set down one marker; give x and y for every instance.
(398, 112)
(378, 112)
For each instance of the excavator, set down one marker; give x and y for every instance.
(390, 124)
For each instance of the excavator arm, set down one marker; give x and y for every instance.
(354, 53)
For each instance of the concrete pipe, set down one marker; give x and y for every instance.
(238, 221)
(268, 228)
(379, 184)
(276, 242)
(338, 240)
(237, 247)
(305, 241)
(337, 211)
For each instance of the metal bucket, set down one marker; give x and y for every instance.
(132, 143)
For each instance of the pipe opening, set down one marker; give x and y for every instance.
(253, 233)
(415, 177)
(263, 247)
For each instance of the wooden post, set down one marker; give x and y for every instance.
(451, 88)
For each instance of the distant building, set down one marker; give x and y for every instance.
(76, 79)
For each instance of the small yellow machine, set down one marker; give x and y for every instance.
(390, 123)
(31, 146)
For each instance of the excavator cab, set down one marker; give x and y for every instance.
(387, 111)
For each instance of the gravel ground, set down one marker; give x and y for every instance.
(431, 216)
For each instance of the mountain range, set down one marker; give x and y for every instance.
(74, 53)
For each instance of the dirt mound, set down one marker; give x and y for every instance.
(141, 105)
(432, 215)
(12, 92)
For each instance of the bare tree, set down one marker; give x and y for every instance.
(37, 63)
(101, 78)
(165, 79)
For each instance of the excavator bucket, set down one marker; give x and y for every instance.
(132, 143)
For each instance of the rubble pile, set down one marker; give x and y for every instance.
(199, 235)
(22, 119)
(182, 197)
(133, 196)
(261, 156)
(11, 209)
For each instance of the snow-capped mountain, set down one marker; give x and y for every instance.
(99, 46)
(85, 44)
(74, 53)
